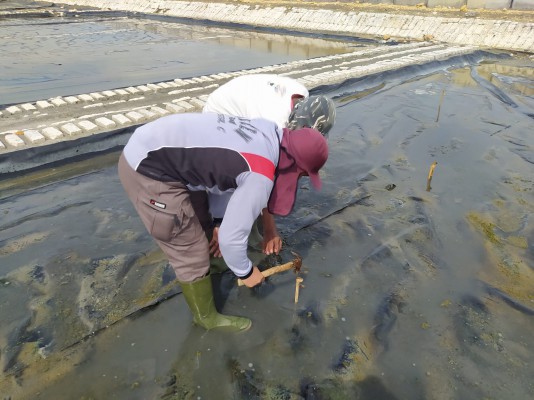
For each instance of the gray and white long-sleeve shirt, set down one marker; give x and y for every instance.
(232, 158)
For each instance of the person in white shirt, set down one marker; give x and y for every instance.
(276, 98)
(271, 97)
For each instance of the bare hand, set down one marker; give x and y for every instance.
(214, 243)
(272, 244)
(254, 279)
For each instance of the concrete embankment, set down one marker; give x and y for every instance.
(466, 30)
(471, 4)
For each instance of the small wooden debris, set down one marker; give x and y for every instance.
(430, 173)
(299, 280)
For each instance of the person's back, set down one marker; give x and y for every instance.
(264, 96)
(201, 150)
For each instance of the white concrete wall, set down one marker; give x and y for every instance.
(506, 35)
(471, 4)
(523, 5)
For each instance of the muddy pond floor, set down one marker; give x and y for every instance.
(408, 293)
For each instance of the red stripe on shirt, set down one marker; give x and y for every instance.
(260, 164)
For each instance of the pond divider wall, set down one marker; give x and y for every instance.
(489, 33)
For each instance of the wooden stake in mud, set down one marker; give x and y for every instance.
(297, 288)
(440, 102)
(430, 173)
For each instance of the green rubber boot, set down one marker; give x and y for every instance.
(199, 298)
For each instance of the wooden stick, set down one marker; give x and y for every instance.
(273, 270)
(440, 102)
(430, 173)
(297, 287)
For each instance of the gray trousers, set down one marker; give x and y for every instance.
(175, 217)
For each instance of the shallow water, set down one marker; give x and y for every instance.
(407, 293)
(73, 55)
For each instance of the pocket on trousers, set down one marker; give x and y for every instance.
(165, 226)
(166, 211)
(161, 225)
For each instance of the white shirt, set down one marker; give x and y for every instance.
(264, 96)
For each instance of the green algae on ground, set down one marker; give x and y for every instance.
(507, 218)
(445, 303)
(518, 241)
(486, 227)
(21, 243)
(425, 325)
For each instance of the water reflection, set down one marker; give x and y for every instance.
(82, 55)
(517, 79)
(407, 293)
(286, 44)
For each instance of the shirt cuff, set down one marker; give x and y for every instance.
(248, 274)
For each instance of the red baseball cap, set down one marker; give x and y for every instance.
(302, 152)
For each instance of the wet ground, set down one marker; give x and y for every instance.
(411, 290)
